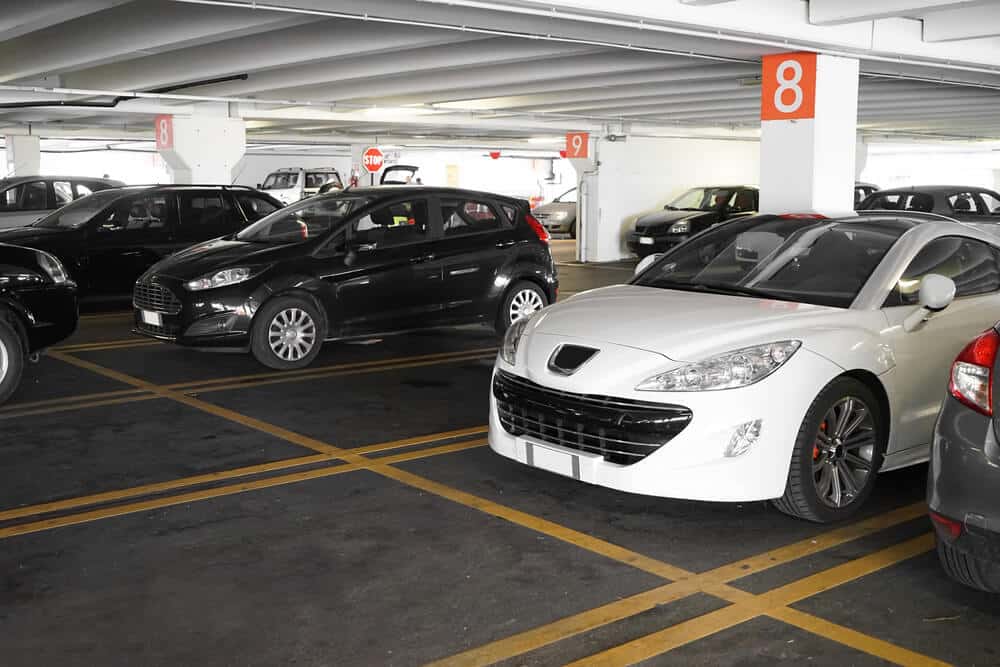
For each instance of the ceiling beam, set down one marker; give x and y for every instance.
(20, 18)
(966, 23)
(833, 12)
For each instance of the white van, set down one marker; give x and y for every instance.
(295, 183)
(24, 199)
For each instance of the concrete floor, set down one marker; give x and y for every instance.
(164, 506)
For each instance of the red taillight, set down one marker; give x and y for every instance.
(543, 234)
(950, 526)
(972, 373)
(803, 216)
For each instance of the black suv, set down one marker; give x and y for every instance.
(37, 309)
(109, 238)
(359, 262)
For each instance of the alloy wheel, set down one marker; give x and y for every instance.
(524, 303)
(292, 334)
(843, 452)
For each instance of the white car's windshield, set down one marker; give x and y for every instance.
(280, 180)
(306, 220)
(78, 213)
(824, 262)
(701, 199)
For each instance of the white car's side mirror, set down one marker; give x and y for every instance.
(936, 293)
(647, 262)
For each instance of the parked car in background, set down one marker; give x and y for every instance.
(24, 199)
(108, 239)
(694, 211)
(559, 215)
(968, 204)
(396, 174)
(361, 262)
(294, 183)
(785, 358)
(964, 481)
(862, 191)
(37, 309)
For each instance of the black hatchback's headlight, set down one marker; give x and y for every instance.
(53, 267)
(223, 278)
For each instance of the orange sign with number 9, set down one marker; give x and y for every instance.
(788, 86)
(577, 144)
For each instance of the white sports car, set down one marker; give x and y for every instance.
(774, 357)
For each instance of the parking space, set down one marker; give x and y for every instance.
(195, 508)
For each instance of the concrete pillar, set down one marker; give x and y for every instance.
(205, 148)
(632, 176)
(809, 112)
(23, 155)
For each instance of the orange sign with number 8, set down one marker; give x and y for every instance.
(788, 86)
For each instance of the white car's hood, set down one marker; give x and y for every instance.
(681, 325)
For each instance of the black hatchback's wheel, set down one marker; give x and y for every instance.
(967, 570)
(11, 359)
(523, 299)
(837, 454)
(287, 333)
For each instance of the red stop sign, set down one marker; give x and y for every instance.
(372, 159)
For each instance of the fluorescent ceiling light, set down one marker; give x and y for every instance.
(546, 140)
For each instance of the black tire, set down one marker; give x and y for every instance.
(12, 355)
(983, 575)
(802, 499)
(518, 290)
(304, 348)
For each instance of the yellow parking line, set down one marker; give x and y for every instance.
(530, 640)
(27, 405)
(13, 414)
(106, 345)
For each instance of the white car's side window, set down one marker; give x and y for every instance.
(972, 264)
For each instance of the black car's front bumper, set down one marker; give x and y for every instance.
(964, 480)
(50, 313)
(217, 318)
(643, 244)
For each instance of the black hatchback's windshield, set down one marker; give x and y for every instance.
(78, 213)
(701, 199)
(306, 220)
(824, 262)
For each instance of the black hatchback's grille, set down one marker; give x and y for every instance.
(621, 430)
(157, 298)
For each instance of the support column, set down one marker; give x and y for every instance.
(23, 155)
(204, 148)
(860, 157)
(808, 142)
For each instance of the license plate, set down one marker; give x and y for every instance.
(578, 466)
(155, 319)
(646, 240)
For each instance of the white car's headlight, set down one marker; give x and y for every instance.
(52, 266)
(738, 368)
(508, 350)
(221, 278)
(559, 215)
(680, 227)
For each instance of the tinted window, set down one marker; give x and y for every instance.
(812, 261)
(83, 189)
(394, 225)
(315, 179)
(281, 180)
(743, 201)
(144, 216)
(971, 264)
(33, 196)
(962, 202)
(305, 220)
(908, 201)
(80, 211)
(254, 207)
(702, 199)
(469, 217)
(63, 191)
(568, 197)
(990, 202)
(204, 215)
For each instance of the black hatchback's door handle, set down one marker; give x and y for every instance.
(505, 244)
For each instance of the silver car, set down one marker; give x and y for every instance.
(559, 215)
(24, 199)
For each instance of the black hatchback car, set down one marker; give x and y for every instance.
(964, 480)
(359, 262)
(961, 202)
(109, 238)
(37, 309)
(694, 211)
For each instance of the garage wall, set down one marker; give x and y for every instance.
(639, 175)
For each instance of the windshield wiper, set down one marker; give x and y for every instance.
(738, 289)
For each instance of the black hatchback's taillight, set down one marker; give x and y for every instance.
(543, 234)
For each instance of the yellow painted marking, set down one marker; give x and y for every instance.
(106, 345)
(13, 414)
(78, 398)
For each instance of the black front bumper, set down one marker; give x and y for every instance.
(218, 318)
(964, 479)
(659, 243)
(51, 314)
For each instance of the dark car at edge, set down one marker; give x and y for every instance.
(109, 238)
(38, 309)
(694, 211)
(964, 474)
(359, 262)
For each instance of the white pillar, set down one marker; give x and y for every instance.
(206, 147)
(809, 112)
(996, 179)
(23, 155)
(860, 157)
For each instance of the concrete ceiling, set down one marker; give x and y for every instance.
(476, 71)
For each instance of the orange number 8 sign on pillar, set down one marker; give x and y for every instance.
(788, 86)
